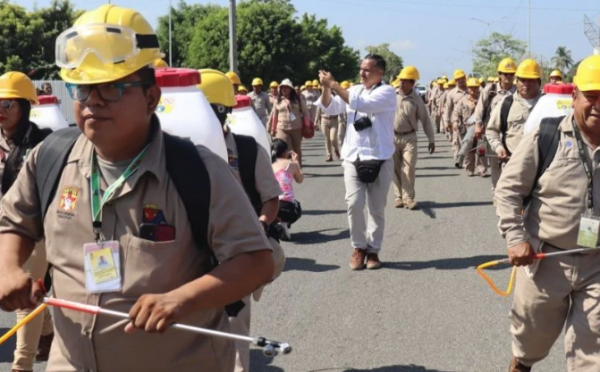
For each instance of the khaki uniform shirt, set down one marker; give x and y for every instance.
(85, 342)
(261, 103)
(442, 106)
(452, 98)
(283, 112)
(559, 198)
(517, 117)
(489, 99)
(266, 185)
(462, 112)
(5, 148)
(272, 99)
(436, 105)
(409, 111)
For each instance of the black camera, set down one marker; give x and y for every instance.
(363, 123)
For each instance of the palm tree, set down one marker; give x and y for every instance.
(562, 60)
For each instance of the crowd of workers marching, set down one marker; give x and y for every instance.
(138, 222)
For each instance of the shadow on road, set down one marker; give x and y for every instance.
(436, 157)
(435, 175)
(328, 165)
(335, 175)
(324, 212)
(7, 349)
(436, 205)
(306, 264)
(398, 368)
(317, 237)
(459, 263)
(259, 362)
(435, 168)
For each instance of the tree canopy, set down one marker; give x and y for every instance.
(393, 61)
(488, 52)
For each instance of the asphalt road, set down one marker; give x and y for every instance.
(426, 310)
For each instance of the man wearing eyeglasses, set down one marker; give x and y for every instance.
(115, 187)
(490, 96)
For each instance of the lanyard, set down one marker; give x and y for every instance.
(586, 165)
(98, 202)
(369, 92)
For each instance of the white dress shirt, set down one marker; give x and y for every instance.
(379, 103)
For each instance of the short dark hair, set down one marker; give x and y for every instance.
(379, 61)
(146, 74)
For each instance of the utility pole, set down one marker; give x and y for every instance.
(232, 37)
(170, 35)
(529, 32)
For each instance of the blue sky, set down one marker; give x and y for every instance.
(434, 35)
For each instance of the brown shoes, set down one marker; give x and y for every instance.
(357, 260)
(337, 154)
(373, 262)
(44, 348)
(329, 159)
(410, 204)
(516, 366)
(398, 203)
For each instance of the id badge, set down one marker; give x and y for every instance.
(292, 116)
(102, 267)
(589, 229)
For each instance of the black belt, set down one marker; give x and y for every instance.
(398, 133)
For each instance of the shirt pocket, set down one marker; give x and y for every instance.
(152, 267)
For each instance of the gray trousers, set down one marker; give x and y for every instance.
(367, 233)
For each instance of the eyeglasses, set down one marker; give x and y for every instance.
(110, 92)
(6, 104)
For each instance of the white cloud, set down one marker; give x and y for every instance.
(401, 45)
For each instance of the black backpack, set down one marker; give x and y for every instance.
(504, 111)
(548, 140)
(247, 154)
(54, 152)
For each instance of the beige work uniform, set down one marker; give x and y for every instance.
(437, 108)
(85, 342)
(287, 129)
(559, 289)
(261, 103)
(268, 188)
(28, 336)
(517, 117)
(463, 111)
(488, 100)
(411, 109)
(310, 99)
(342, 128)
(452, 98)
(329, 126)
(442, 107)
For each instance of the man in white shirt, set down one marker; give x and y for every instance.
(367, 153)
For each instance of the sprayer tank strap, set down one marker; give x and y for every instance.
(587, 165)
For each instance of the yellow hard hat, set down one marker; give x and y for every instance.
(217, 87)
(496, 80)
(409, 73)
(491, 79)
(257, 81)
(452, 83)
(16, 85)
(242, 88)
(345, 84)
(445, 77)
(440, 81)
(302, 88)
(507, 66)
(481, 80)
(234, 78)
(588, 74)
(459, 74)
(529, 69)
(160, 63)
(92, 53)
(274, 84)
(315, 83)
(473, 83)
(308, 83)
(556, 73)
(396, 83)
(446, 85)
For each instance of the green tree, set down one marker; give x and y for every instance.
(184, 20)
(488, 52)
(19, 38)
(562, 60)
(324, 48)
(272, 44)
(394, 62)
